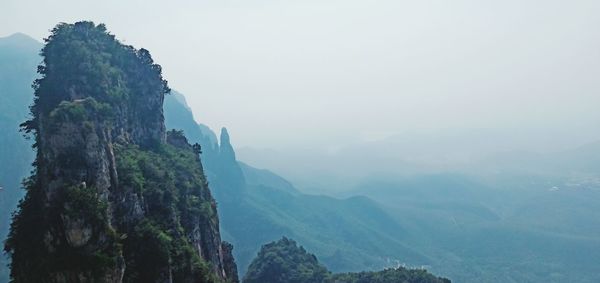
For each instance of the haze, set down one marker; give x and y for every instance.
(284, 74)
(460, 136)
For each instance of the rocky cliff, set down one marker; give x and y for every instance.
(113, 197)
(228, 178)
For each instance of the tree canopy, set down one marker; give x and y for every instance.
(284, 261)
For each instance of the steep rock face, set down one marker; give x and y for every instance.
(76, 149)
(229, 262)
(229, 178)
(114, 198)
(226, 150)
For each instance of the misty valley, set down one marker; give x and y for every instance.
(109, 174)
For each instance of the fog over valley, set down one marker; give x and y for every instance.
(335, 141)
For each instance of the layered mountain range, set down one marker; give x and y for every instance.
(103, 148)
(528, 219)
(257, 206)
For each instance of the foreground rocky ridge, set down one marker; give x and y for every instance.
(114, 197)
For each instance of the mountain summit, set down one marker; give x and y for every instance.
(20, 40)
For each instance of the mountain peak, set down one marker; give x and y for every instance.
(17, 35)
(90, 133)
(224, 137)
(20, 40)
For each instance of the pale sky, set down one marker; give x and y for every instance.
(287, 73)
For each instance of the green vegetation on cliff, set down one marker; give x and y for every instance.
(167, 179)
(113, 197)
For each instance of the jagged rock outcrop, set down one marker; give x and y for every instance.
(114, 197)
(229, 262)
(229, 179)
(226, 149)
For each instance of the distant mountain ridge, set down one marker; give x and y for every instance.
(249, 199)
(259, 206)
(431, 219)
(18, 63)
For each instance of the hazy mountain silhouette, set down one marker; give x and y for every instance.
(18, 64)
